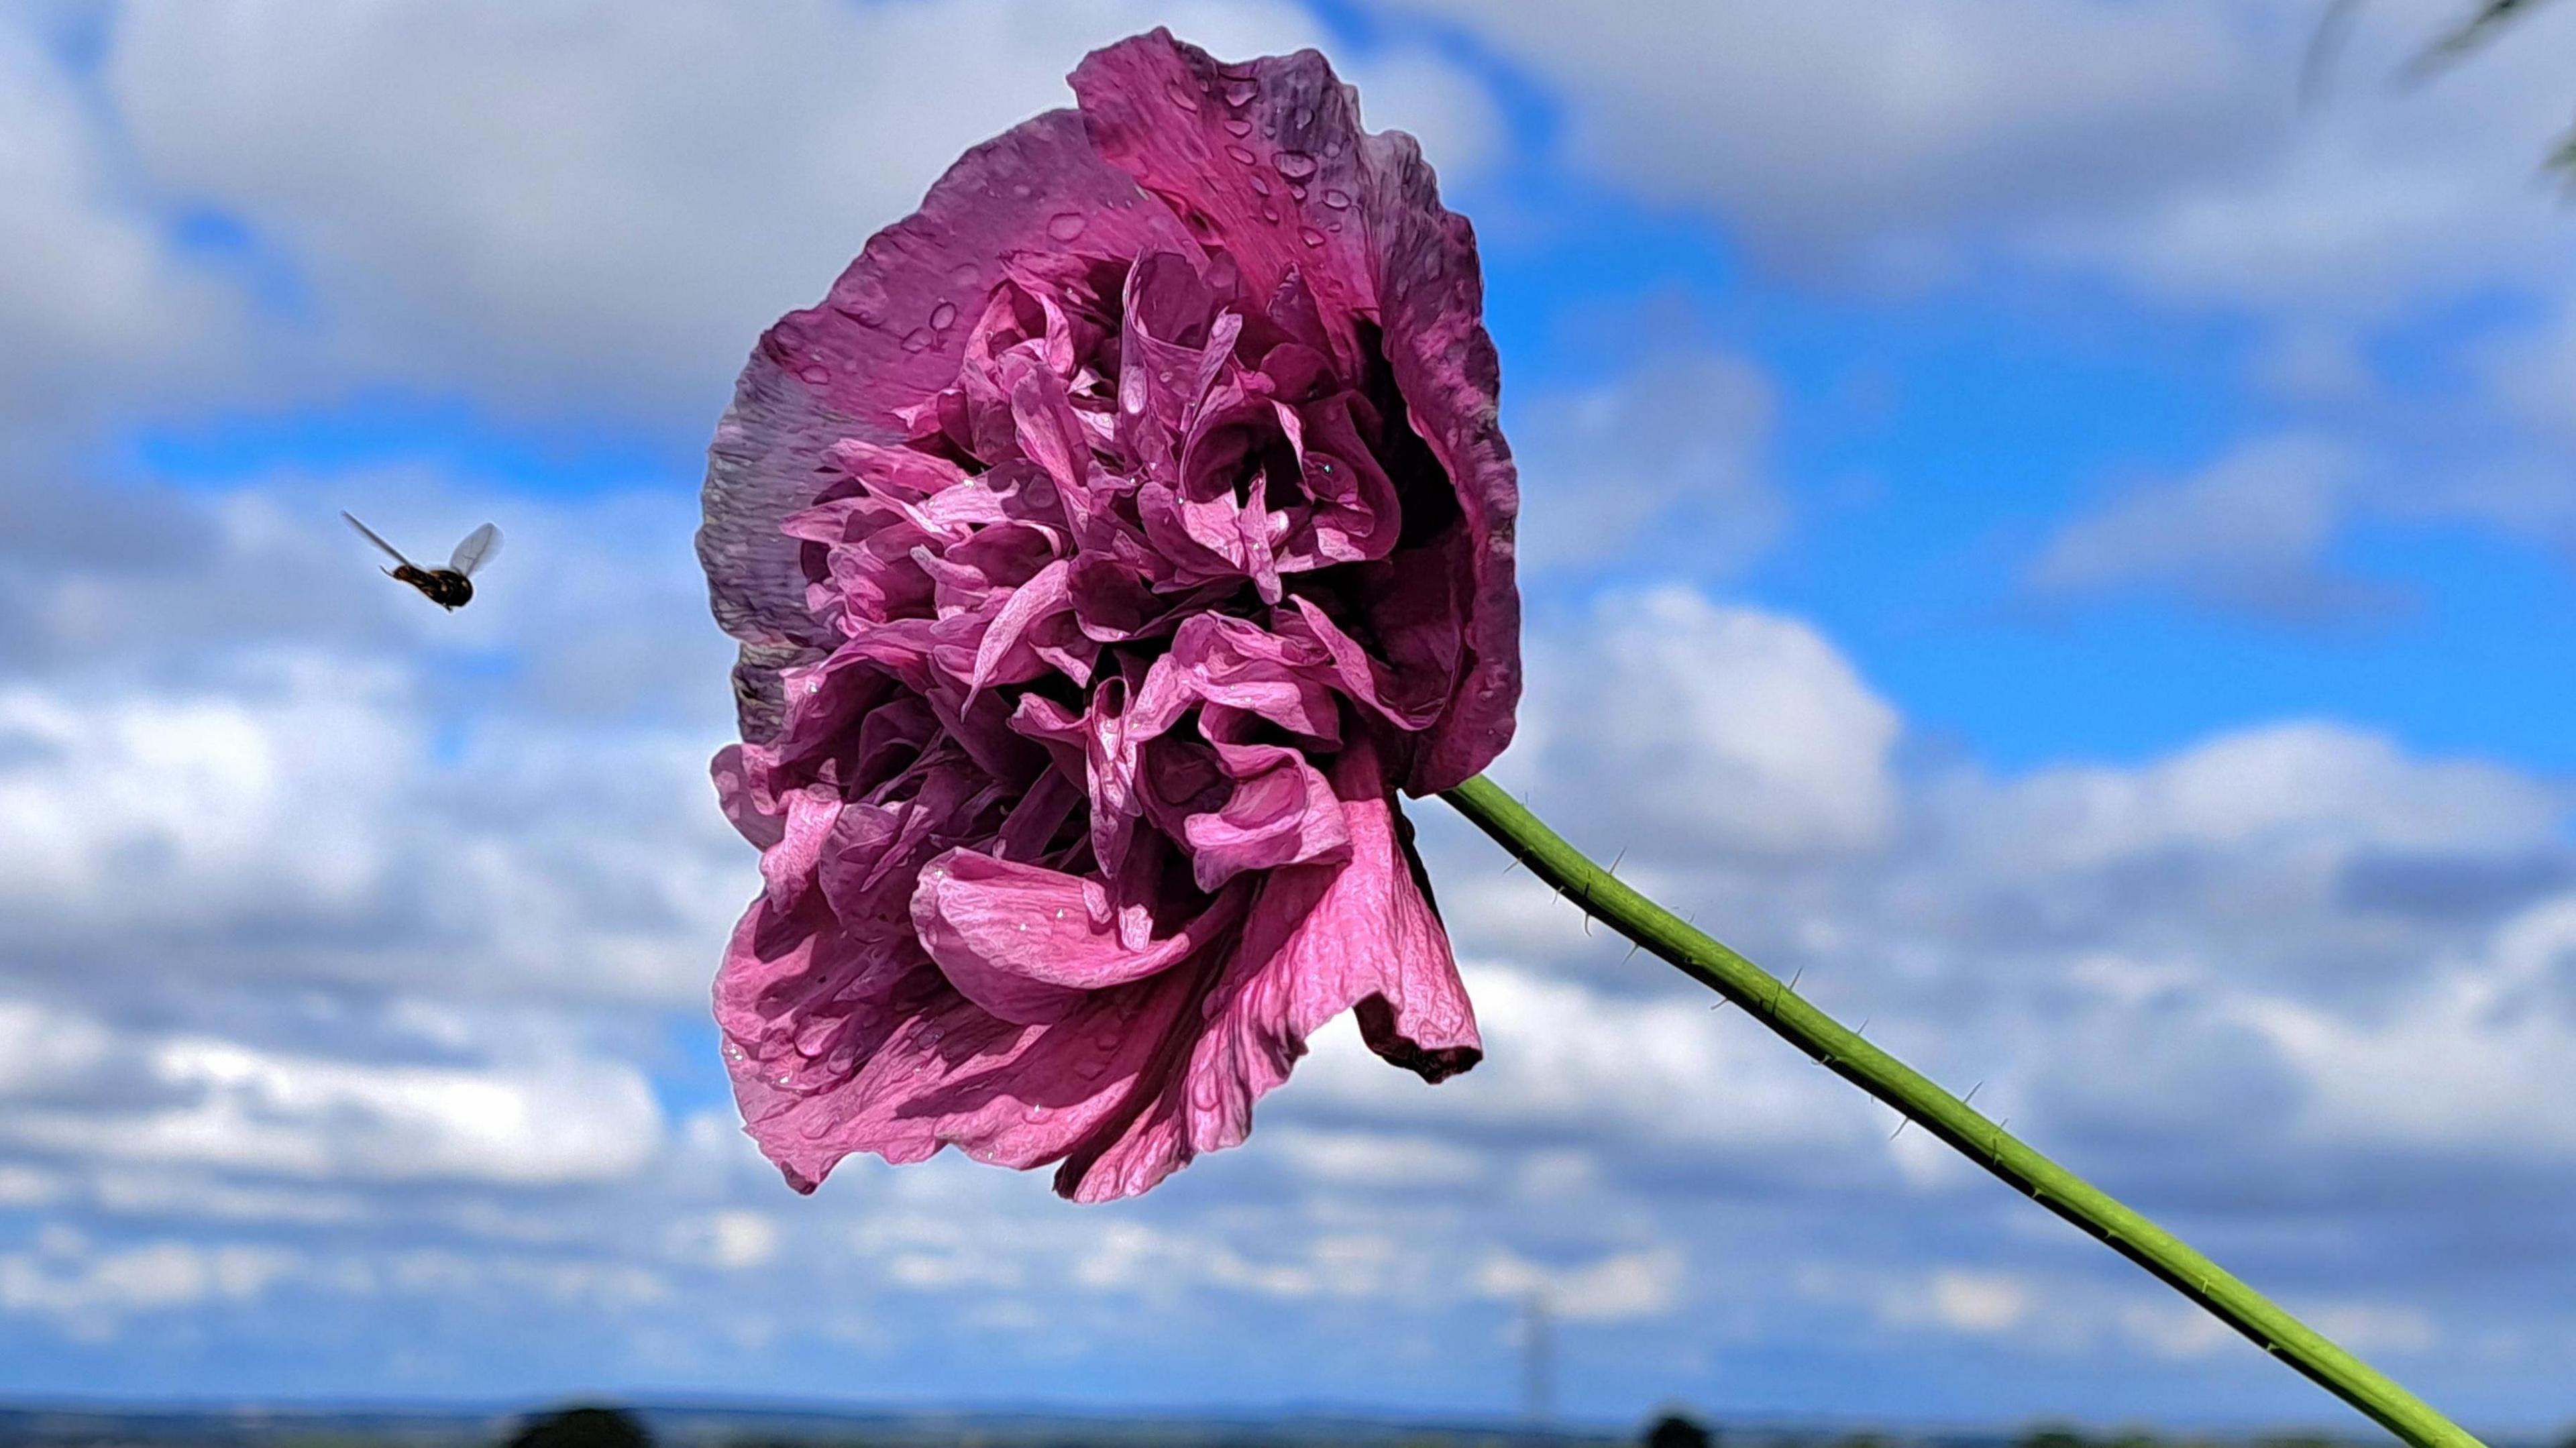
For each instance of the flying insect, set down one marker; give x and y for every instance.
(452, 587)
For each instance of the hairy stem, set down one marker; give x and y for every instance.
(1600, 894)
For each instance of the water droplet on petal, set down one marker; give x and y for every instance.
(1023, 190)
(962, 275)
(1336, 198)
(942, 315)
(1260, 185)
(1092, 1070)
(1237, 125)
(1305, 117)
(1242, 154)
(1181, 96)
(1310, 236)
(1297, 191)
(1065, 226)
(1241, 93)
(1270, 213)
(1332, 149)
(1295, 165)
(1035, 1113)
(917, 340)
(814, 376)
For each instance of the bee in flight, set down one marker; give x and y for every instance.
(452, 587)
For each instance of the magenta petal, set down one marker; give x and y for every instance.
(886, 340)
(1269, 151)
(1320, 940)
(1111, 546)
(1028, 944)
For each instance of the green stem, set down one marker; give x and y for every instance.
(1599, 893)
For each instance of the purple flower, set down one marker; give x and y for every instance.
(1110, 547)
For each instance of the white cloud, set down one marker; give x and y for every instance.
(95, 307)
(1676, 446)
(2249, 531)
(1857, 125)
(604, 202)
(1729, 728)
(1615, 1288)
(2291, 786)
(2460, 1064)
(92, 1288)
(193, 1100)
(2162, 144)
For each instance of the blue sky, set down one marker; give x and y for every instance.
(2028, 524)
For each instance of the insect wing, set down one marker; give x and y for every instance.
(390, 550)
(476, 550)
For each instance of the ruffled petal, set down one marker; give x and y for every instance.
(886, 340)
(1029, 944)
(1318, 941)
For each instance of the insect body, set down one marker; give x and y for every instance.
(450, 587)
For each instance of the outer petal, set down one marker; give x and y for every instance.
(1431, 305)
(1320, 940)
(1266, 152)
(888, 338)
(833, 1054)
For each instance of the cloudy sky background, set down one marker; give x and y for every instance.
(2029, 524)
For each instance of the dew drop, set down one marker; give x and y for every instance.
(1310, 236)
(1260, 186)
(1332, 149)
(942, 315)
(1092, 1070)
(1237, 125)
(1336, 198)
(917, 340)
(1335, 228)
(962, 275)
(1297, 191)
(1242, 154)
(1065, 225)
(1061, 912)
(1270, 213)
(1305, 117)
(1295, 165)
(1181, 96)
(1023, 190)
(1241, 93)
(814, 376)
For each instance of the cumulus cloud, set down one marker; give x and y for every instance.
(2164, 145)
(93, 301)
(1675, 447)
(1728, 728)
(599, 203)
(2250, 531)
